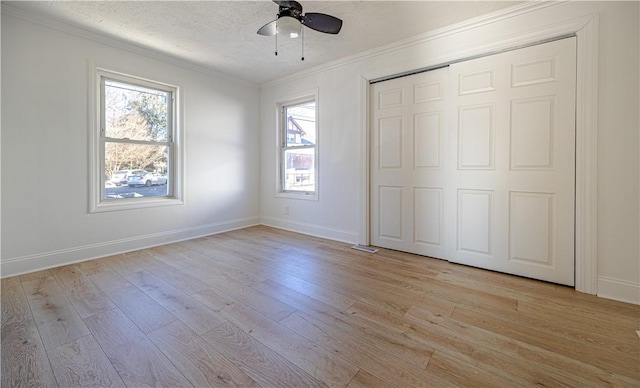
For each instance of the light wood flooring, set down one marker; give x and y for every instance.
(262, 307)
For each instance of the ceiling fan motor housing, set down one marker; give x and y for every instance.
(292, 12)
(316, 21)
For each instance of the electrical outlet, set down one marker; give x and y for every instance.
(286, 210)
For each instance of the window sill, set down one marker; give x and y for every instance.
(298, 195)
(123, 204)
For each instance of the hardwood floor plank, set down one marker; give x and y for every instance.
(211, 272)
(140, 308)
(91, 267)
(85, 297)
(136, 359)
(292, 297)
(264, 268)
(393, 342)
(418, 270)
(175, 255)
(297, 349)
(412, 355)
(192, 313)
(459, 295)
(449, 343)
(218, 263)
(82, 363)
(532, 366)
(601, 307)
(615, 327)
(262, 364)
(412, 260)
(178, 279)
(200, 362)
(215, 301)
(55, 317)
(260, 262)
(363, 282)
(460, 373)
(583, 312)
(364, 379)
(254, 272)
(38, 275)
(255, 299)
(231, 249)
(285, 239)
(577, 333)
(124, 264)
(587, 353)
(535, 364)
(24, 360)
(314, 291)
(342, 282)
(361, 352)
(505, 284)
(530, 292)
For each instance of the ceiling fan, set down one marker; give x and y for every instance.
(290, 20)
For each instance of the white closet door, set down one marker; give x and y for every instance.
(475, 163)
(512, 144)
(409, 163)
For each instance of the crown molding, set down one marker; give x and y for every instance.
(506, 13)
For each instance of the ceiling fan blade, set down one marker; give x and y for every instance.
(268, 29)
(322, 22)
(289, 4)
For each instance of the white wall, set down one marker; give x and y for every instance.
(337, 214)
(45, 219)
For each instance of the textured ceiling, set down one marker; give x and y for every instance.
(221, 35)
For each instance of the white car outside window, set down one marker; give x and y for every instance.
(146, 179)
(121, 177)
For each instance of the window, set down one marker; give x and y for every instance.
(298, 151)
(134, 143)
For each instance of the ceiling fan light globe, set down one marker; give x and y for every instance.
(289, 27)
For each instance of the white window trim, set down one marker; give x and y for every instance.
(97, 203)
(280, 192)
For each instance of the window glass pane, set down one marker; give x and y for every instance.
(136, 170)
(301, 124)
(299, 174)
(136, 113)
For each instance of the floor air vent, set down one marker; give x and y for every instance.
(364, 248)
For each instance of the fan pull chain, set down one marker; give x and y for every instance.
(276, 37)
(302, 43)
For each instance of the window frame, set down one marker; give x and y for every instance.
(97, 141)
(282, 148)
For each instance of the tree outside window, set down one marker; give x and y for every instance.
(137, 138)
(135, 115)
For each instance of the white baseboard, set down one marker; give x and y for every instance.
(312, 230)
(620, 290)
(31, 263)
